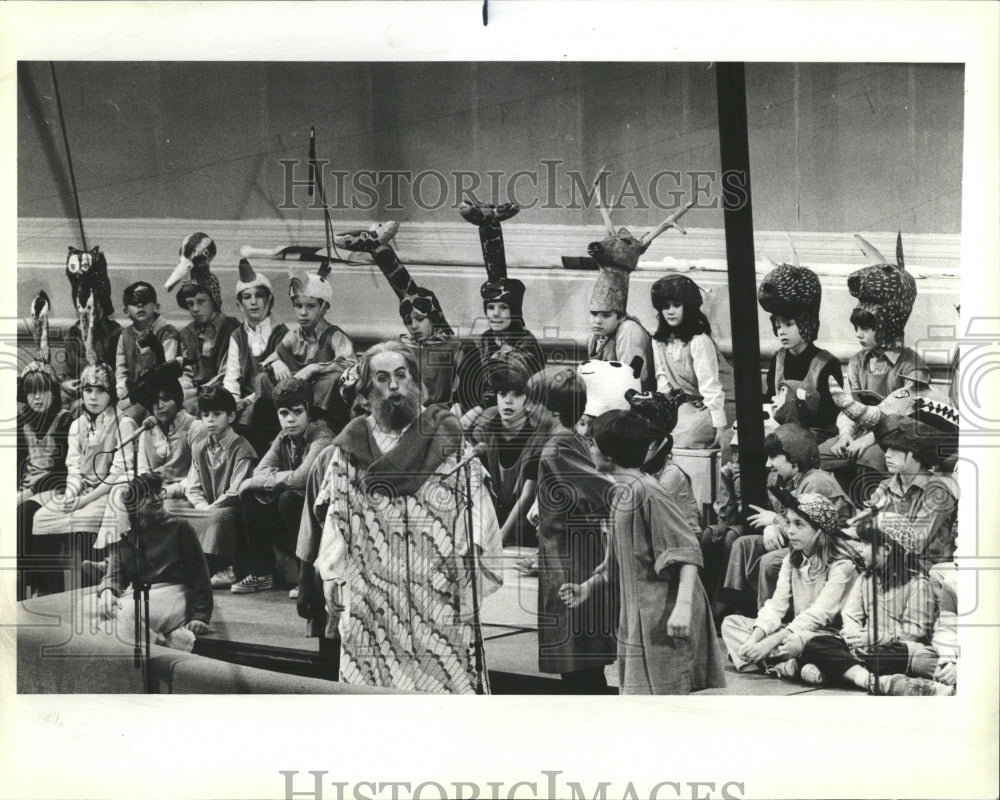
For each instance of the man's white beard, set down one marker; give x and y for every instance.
(394, 416)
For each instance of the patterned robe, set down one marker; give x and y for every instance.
(395, 542)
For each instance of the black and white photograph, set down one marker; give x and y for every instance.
(645, 395)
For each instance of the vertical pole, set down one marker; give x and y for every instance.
(734, 150)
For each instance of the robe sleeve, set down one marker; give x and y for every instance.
(332, 554)
(673, 540)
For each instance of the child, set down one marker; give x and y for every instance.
(503, 299)
(685, 357)
(131, 357)
(313, 350)
(250, 345)
(906, 610)
(793, 462)
(615, 334)
(170, 561)
(791, 294)
(717, 540)
(220, 463)
(813, 585)
(428, 332)
(88, 277)
(666, 639)
(273, 497)
(573, 498)
(42, 440)
(204, 340)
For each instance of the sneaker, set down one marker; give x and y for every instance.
(224, 578)
(293, 593)
(786, 670)
(251, 584)
(901, 685)
(810, 674)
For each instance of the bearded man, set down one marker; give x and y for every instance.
(387, 537)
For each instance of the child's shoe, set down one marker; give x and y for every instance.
(251, 584)
(786, 670)
(901, 685)
(224, 578)
(811, 675)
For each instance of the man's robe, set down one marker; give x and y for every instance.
(395, 544)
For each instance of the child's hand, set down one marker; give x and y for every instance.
(333, 597)
(280, 370)
(791, 647)
(762, 518)
(840, 448)
(197, 627)
(772, 539)
(856, 448)
(855, 639)
(946, 672)
(574, 594)
(107, 605)
(308, 372)
(717, 441)
(679, 623)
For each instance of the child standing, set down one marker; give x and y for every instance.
(132, 357)
(273, 496)
(313, 350)
(686, 357)
(170, 560)
(813, 585)
(220, 463)
(666, 638)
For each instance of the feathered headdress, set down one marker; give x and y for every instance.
(498, 288)
(40, 332)
(886, 291)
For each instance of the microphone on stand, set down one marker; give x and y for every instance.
(147, 425)
(477, 452)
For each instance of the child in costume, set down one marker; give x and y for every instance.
(686, 357)
(73, 522)
(503, 300)
(906, 612)
(220, 462)
(813, 585)
(170, 561)
(250, 345)
(88, 276)
(791, 294)
(430, 336)
(273, 496)
(135, 354)
(314, 350)
(42, 440)
(666, 638)
(204, 340)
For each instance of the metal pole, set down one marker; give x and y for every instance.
(734, 151)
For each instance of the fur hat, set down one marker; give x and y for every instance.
(498, 288)
(659, 409)
(607, 383)
(796, 443)
(88, 276)
(251, 280)
(886, 291)
(792, 292)
(818, 510)
(292, 392)
(679, 288)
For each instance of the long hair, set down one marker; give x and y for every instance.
(366, 376)
(694, 322)
(825, 548)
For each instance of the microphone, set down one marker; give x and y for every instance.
(477, 452)
(147, 425)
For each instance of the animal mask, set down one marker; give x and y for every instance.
(88, 277)
(607, 383)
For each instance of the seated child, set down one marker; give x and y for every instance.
(220, 462)
(813, 585)
(132, 357)
(273, 496)
(686, 358)
(666, 638)
(250, 345)
(906, 609)
(204, 340)
(313, 350)
(171, 562)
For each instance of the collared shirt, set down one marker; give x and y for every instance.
(876, 370)
(218, 468)
(167, 451)
(304, 345)
(925, 506)
(206, 333)
(257, 339)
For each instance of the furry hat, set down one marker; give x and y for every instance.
(40, 363)
(200, 283)
(659, 409)
(886, 291)
(793, 292)
(818, 510)
(251, 280)
(292, 392)
(796, 443)
(498, 288)
(607, 383)
(88, 277)
(679, 288)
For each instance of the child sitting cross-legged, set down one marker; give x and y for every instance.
(169, 559)
(666, 637)
(220, 462)
(273, 496)
(813, 584)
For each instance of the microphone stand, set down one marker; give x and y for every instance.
(876, 545)
(140, 589)
(482, 677)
